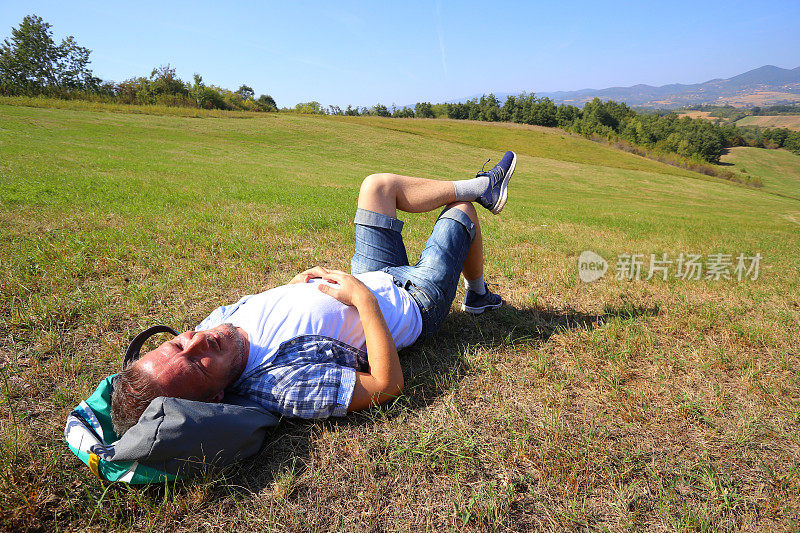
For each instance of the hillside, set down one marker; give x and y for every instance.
(763, 86)
(767, 85)
(624, 404)
(779, 169)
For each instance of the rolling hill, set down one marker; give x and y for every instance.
(767, 85)
(663, 404)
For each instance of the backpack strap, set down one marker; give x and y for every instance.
(132, 353)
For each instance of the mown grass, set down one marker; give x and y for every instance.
(664, 405)
(791, 122)
(529, 140)
(558, 144)
(780, 169)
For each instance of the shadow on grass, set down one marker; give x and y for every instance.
(725, 151)
(431, 369)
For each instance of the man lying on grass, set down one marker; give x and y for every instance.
(298, 349)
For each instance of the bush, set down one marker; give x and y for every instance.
(210, 98)
(312, 108)
(792, 142)
(266, 103)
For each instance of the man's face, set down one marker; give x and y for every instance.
(198, 365)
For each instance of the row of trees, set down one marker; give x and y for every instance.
(31, 63)
(692, 138)
(780, 138)
(687, 137)
(378, 110)
(609, 120)
(780, 109)
(163, 87)
(732, 114)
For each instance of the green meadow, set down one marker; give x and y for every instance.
(623, 404)
(780, 169)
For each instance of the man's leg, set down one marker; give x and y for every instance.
(386, 193)
(446, 256)
(477, 298)
(473, 264)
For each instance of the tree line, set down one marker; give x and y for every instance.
(732, 114)
(613, 121)
(755, 135)
(31, 64)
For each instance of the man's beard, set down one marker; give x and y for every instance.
(237, 366)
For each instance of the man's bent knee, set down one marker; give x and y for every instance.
(378, 185)
(467, 208)
(377, 194)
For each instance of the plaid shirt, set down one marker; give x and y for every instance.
(311, 376)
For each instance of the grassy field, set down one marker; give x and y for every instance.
(780, 169)
(697, 114)
(44, 102)
(618, 405)
(791, 122)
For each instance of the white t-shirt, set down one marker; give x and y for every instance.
(283, 313)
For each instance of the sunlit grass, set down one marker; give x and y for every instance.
(780, 169)
(670, 405)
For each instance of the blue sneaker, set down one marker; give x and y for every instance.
(494, 199)
(478, 303)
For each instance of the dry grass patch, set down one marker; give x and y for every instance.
(697, 114)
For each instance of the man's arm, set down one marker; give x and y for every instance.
(385, 378)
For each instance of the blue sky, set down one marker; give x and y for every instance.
(362, 53)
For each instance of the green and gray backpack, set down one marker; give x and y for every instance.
(173, 438)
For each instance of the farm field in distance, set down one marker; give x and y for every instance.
(697, 114)
(663, 405)
(791, 122)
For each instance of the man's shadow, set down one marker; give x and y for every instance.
(430, 369)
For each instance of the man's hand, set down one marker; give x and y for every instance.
(313, 272)
(384, 381)
(348, 289)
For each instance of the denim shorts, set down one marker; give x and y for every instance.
(433, 281)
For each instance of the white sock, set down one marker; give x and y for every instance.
(476, 285)
(471, 190)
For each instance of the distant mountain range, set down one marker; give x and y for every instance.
(767, 85)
